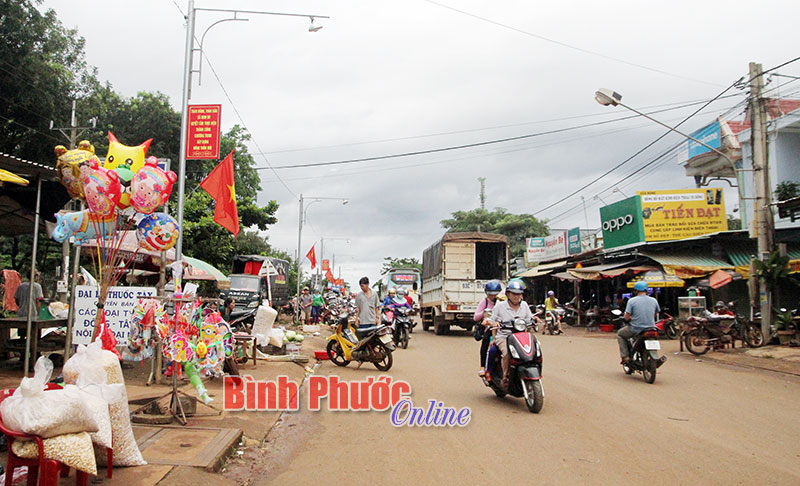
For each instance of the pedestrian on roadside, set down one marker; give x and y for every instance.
(305, 304)
(367, 304)
(23, 292)
(227, 308)
(641, 313)
(317, 301)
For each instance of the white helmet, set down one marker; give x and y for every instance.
(401, 292)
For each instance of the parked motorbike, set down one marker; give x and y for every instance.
(643, 349)
(716, 331)
(667, 327)
(242, 320)
(370, 344)
(525, 373)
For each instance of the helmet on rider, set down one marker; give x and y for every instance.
(640, 286)
(515, 286)
(720, 305)
(492, 287)
(401, 292)
(392, 291)
(550, 293)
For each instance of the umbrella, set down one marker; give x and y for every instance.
(657, 278)
(719, 279)
(200, 270)
(7, 176)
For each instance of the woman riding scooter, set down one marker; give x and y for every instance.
(507, 312)
(550, 306)
(481, 319)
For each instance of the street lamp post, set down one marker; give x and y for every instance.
(187, 89)
(301, 217)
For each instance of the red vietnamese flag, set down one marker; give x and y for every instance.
(312, 257)
(220, 185)
(329, 276)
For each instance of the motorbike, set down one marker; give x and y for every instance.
(718, 330)
(643, 349)
(242, 320)
(371, 344)
(551, 321)
(667, 327)
(525, 373)
(400, 323)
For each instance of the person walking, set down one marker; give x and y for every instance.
(367, 303)
(22, 294)
(317, 301)
(305, 304)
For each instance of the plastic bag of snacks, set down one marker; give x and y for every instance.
(33, 410)
(73, 450)
(88, 360)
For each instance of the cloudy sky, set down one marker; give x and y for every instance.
(387, 78)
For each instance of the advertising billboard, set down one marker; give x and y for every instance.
(622, 223)
(546, 248)
(202, 132)
(709, 135)
(682, 213)
(574, 241)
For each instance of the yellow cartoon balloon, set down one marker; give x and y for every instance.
(125, 161)
(74, 165)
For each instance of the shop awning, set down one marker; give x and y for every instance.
(689, 265)
(657, 278)
(541, 269)
(200, 270)
(595, 272)
(740, 254)
(565, 276)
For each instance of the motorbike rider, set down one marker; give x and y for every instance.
(641, 313)
(481, 318)
(508, 311)
(400, 300)
(550, 306)
(387, 301)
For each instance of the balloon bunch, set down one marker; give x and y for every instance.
(124, 190)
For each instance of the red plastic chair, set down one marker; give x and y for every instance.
(48, 468)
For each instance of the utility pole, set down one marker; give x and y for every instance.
(763, 210)
(73, 143)
(482, 180)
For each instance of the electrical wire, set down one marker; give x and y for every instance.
(569, 46)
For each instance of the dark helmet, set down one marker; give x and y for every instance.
(492, 287)
(515, 286)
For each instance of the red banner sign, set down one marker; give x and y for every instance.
(202, 132)
(326, 264)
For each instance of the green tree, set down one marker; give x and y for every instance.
(516, 227)
(392, 262)
(43, 69)
(734, 223)
(787, 190)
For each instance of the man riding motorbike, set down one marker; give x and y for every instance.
(481, 318)
(550, 306)
(641, 313)
(504, 313)
(387, 301)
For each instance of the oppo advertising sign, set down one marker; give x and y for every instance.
(622, 222)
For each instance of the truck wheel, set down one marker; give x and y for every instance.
(441, 328)
(425, 325)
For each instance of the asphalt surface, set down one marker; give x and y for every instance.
(700, 423)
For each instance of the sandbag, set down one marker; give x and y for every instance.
(262, 325)
(73, 450)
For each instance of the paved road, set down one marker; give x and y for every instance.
(700, 423)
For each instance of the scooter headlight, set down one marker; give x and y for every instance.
(519, 325)
(513, 351)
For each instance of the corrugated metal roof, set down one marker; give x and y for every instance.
(688, 260)
(741, 253)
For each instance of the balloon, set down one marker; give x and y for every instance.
(102, 190)
(83, 225)
(125, 161)
(180, 349)
(157, 232)
(151, 187)
(74, 165)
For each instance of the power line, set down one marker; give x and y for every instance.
(469, 145)
(569, 46)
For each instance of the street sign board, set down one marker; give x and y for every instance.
(682, 213)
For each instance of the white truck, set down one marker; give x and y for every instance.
(454, 271)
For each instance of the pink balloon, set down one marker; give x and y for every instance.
(151, 187)
(102, 190)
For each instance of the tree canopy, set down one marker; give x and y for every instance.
(516, 227)
(393, 262)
